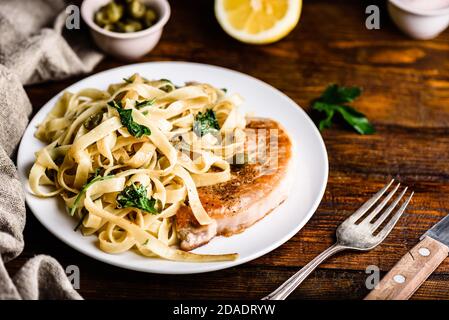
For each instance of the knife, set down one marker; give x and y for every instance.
(415, 266)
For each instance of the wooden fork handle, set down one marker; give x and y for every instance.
(411, 271)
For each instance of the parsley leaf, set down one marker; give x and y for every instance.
(136, 196)
(205, 123)
(333, 101)
(335, 94)
(135, 129)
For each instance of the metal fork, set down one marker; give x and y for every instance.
(353, 235)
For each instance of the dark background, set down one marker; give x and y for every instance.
(406, 96)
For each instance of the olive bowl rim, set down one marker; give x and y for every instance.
(88, 15)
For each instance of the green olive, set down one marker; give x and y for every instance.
(150, 17)
(137, 25)
(100, 18)
(136, 9)
(120, 27)
(113, 11)
(109, 27)
(129, 26)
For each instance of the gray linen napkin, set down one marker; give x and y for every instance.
(33, 48)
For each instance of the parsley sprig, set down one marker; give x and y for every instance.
(334, 101)
(135, 196)
(135, 129)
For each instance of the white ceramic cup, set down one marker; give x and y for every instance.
(417, 23)
(126, 46)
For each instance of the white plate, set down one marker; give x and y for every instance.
(266, 235)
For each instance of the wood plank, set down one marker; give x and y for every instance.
(100, 282)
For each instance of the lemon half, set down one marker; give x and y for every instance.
(258, 21)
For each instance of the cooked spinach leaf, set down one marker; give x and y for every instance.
(136, 196)
(135, 129)
(205, 123)
(168, 87)
(83, 190)
(145, 103)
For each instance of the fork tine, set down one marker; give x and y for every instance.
(387, 212)
(390, 225)
(368, 204)
(381, 205)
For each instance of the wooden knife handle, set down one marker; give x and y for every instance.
(411, 271)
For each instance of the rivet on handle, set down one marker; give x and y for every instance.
(424, 252)
(399, 278)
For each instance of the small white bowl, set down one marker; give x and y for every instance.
(127, 46)
(417, 23)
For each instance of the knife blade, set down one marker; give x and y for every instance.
(415, 266)
(439, 232)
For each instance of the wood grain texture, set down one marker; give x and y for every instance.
(411, 271)
(406, 95)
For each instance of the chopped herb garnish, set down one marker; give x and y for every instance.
(146, 242)
(333, 101)
(83, 190)
(135, 196)
(127, 80)
(93, 121)
(168, 87)
(224, 90)
(135, 129)
(205, 123)
(145, 103)
(80, 221)
(96, 174)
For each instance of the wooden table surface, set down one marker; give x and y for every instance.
(406, 95)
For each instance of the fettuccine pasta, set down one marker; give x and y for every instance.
(126, 159)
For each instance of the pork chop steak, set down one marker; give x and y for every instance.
(254, 190)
